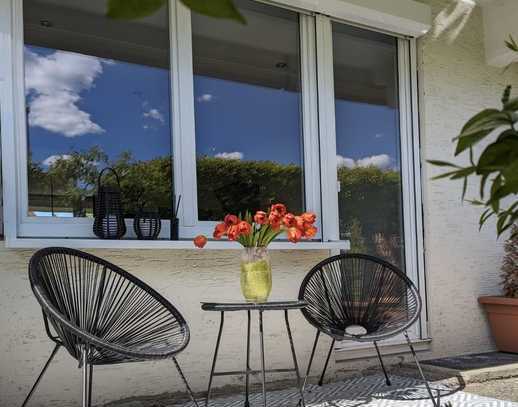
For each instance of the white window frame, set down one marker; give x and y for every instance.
(318, 136)
(185, 144)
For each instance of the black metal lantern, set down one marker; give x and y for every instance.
(147, 224)
(109, 218)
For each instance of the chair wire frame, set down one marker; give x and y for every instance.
(102, 314)
(360, 298)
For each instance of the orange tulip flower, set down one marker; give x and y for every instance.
(294, 235)
(310, 232)
(309, 217)
(289, 220)
(200, 241)
(220, 230)
(233, 232)
(244, 228)
(231, 220)
(260, 217)
(279, 208)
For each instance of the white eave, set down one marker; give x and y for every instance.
(403, 17)
(500, 21)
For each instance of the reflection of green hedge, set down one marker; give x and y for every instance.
(369, 200)
(234, 186)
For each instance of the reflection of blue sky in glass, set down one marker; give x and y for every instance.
(367, 134)
(253, 122)
(129, 109)
(128, 105)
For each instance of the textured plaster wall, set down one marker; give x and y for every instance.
(461, 263)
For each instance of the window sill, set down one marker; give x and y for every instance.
(35, 243)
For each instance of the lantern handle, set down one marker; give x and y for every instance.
(102, 173)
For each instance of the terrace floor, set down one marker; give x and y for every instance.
(489, 380)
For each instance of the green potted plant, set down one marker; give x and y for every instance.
(502, 312)
(497, 171)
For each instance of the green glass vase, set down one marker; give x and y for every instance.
(256, 274)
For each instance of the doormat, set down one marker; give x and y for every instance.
(475, 361)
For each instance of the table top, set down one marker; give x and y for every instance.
(248, 306)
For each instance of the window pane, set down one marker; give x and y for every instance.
(247, 111)
(97, 95)
(367, 138)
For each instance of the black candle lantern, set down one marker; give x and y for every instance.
(109, 218)
(147, 224)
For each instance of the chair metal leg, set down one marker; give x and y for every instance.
(294, 355)
(261, 337)
(327, 362)
(436, 403)
(189, 390)
(247, 374)
(35, 385)
(310, 361)
(387, 380)
(209, 388)
(86, 377)
(90, 381)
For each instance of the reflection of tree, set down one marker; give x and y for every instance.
(72, 181)
(369, 201)
(236, 186)
(370, 210)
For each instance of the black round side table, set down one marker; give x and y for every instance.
(249, 307)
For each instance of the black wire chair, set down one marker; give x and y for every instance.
(360, 298)
(102, 315)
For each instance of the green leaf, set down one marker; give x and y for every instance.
(215, 8)
(479, 118)
(439, 163)
(463, 173)
(496, 156)
(484, 217)
(511, 44)
(467, 141)
(133, 9)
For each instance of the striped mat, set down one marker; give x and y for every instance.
(367, 391)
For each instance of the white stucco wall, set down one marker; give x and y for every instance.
(461, 263)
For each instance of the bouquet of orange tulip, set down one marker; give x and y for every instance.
(262, 228)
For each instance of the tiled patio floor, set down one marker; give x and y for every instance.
(369, 391)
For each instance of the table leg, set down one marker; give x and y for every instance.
(222, 320)
(247, 378)
(294, 355)
(261, 334)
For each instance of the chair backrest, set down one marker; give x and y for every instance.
(90, 301)
(359, 297)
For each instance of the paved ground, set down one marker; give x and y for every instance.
(503, 389)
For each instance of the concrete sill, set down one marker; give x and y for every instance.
(351, 351)
(35, 243)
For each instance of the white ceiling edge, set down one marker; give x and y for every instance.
(403, 17)
(500, 21)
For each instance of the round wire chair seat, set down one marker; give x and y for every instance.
(360, 298)
(91, 302)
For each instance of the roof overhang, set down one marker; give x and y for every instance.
(404, 17)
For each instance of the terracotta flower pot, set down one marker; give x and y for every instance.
(502, 313)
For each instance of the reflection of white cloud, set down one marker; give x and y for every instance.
(207, 97)
(382, 161)
(155, 115)
(56, 82)
(378, 135)
(344, 162)
(236, 155)
(50, 161)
